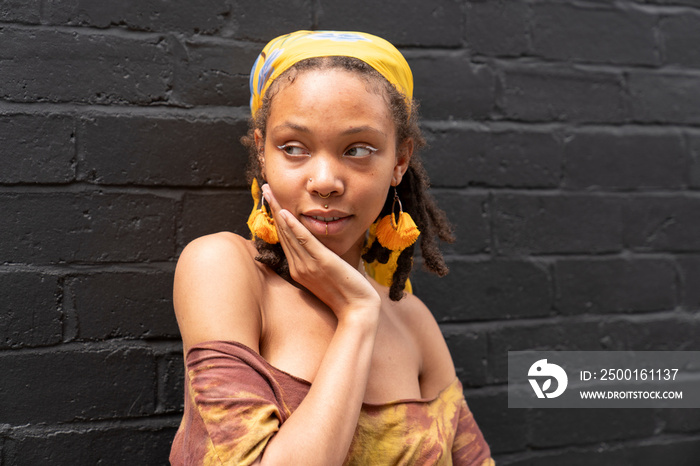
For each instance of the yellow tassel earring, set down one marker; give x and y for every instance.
(260, 223)
(394, 234)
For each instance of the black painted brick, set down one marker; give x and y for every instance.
(29, 309)
(486, 290)
(113, 445)
(57, 66)
(195, 152)
(20, 11)
(449, 86)
(635, 159)
(171, 383)
(663, 223)
(694, 171)
(561, 93)
(681, 34)
(202, 17)
(549, 335)
(124, 304)
(690, 271)
(85, 384)
(555, 427)
(653, 333)
(435, 23)
(496, 158)
(264, 22)
(468, 350)
(498, 28)
(605, 34)
(37, 148)
(546, 224)
(664, 97)
(504, 429)
(211, 72)
(468, 214)
(615, 285)
(203, 214)
(86, 227)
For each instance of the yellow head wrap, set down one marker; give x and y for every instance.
(284, 51)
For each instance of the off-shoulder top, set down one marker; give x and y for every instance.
(235, 401)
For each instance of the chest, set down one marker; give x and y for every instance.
(298, 329)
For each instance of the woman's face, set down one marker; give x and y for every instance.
(327, 134)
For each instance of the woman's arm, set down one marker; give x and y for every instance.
(321, 429)
(217, 290)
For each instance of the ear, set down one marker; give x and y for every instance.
(259, 146)
(403, 158)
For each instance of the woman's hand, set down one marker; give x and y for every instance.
(311, 264)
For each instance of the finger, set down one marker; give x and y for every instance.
(294, 240)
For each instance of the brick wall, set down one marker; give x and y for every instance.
(564, 145)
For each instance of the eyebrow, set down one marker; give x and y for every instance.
(354, 130)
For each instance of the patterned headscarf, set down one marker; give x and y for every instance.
(284, 51)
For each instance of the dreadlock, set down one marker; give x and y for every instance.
(413, 190)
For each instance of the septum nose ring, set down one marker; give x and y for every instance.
(324, 197)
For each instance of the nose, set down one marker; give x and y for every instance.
(325, 177)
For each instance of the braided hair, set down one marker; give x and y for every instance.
(413, 190)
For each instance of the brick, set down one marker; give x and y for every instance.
(662, 223)
(263, 23)
(486, 290)
(171, 383)
(690, 273)
(55, 66)
(117, 445)
(86, 227)
(517, 157)
(694, 171)
(664, 97)
(540, 335)
(203, 214)
(651, 333)
(552, 427)
(601, 455)
(449, 86)
(202, 17)
(29, 312)
(468, 214)
(213, 72)
(20, 11)
(559, 93)
(679, 420)
(601, 34)
(679, 34)
(124, 305)
(505, 430)
(435, 23)
(498, 28)
(37, 148)
(621, 159)
(193, 151)
(677, 451)
(79, 384)
(615, 285)
(547, 224)
(468, 350)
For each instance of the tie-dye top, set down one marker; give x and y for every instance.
(235, 401)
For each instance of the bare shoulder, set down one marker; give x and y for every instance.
(216, 291)
(437, 369)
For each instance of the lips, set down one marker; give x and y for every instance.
(325, 223)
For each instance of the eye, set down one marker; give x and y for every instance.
(294, 151)
(360, 151)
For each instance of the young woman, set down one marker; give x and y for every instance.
(302, 345)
